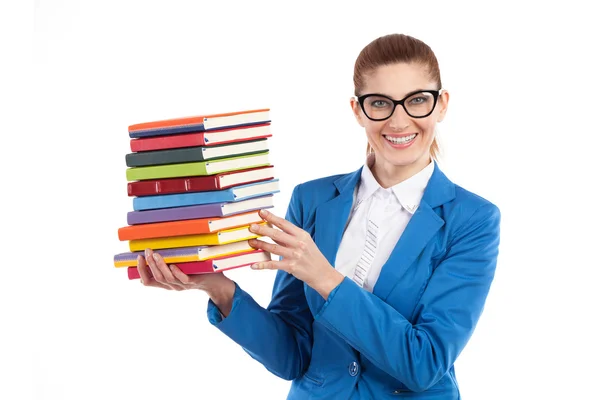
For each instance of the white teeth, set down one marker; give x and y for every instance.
(402, 140)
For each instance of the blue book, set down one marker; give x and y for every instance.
(233, 194)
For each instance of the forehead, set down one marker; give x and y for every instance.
(397, 80)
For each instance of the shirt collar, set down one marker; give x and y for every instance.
(409, 192)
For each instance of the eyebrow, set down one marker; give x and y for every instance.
(408, 94)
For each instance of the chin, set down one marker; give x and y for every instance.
(402, 161)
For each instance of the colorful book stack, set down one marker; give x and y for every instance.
(197, 184)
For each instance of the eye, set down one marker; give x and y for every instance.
(379, 103)
(418, 100)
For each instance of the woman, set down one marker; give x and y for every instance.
(384, 271)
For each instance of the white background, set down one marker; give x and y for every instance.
(521, 130)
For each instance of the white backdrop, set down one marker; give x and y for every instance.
(519, 131)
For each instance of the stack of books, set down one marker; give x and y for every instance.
(197, 184)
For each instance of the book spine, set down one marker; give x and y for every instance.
(176, 241)
(166, 171)
(175, 214)
(182, 200)
(173, 186)
(192, 267)
(164, 229)
(167, 142)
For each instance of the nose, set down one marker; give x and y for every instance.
(399, 119)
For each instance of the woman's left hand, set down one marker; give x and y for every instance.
(301, 256)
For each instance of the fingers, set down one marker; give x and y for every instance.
(179, 275)
(277, 248)
(283, 265)
(143, 270)
(277, 235)
(281, 223)
(157, 272)
(263, 265)
(160, 270)
(145, 276)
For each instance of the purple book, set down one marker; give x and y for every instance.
(201, 211)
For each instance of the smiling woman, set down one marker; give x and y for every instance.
(384, 271)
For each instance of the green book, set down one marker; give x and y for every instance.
(201, 168)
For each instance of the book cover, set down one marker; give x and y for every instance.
(208, 138)
(187, 227)
(233, 194)
(199, 123)
(207, 183)
(202, 211)
(185, 254)
(206, 239)
(193, 154)
(213, 265)
(197, 168)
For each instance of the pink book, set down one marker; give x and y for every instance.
(219, 264)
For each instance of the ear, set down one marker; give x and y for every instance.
(356, 110)
(443, 102)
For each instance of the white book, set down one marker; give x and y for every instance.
(236, 119)
(247, 205)
(240, 133)
(236, 178)
(229, 150)
(240, 260)
(244, 162)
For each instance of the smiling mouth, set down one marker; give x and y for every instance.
(401, 140)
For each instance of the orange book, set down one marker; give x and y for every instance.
(200, 123)
(187, 227)
(202, 239)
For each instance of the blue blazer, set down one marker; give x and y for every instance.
(399, 341)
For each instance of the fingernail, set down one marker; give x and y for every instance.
(264, 213)
(147, 252)
(253, 227)
(155, 255)
(254, 266)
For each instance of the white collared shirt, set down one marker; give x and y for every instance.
(392, 207)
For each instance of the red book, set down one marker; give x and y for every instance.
(205, 138)
(219, 264)
(207, 183)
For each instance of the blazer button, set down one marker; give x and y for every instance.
(353, 368)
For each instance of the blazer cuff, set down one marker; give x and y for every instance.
(215, 317)
(331, 297)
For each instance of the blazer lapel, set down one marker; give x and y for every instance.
(330, 221)
(422, 226)
(331, 216)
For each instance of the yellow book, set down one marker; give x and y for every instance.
(186, 254)
(207, 239)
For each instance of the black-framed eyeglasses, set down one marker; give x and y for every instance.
(418, 104)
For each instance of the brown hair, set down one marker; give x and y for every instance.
(392, 49)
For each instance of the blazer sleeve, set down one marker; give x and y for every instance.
(280, 336)
(419, 355)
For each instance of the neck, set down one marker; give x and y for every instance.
(388, 175)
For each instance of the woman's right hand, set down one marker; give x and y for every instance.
(218, 287)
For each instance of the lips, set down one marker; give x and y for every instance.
(401, 139)
(402, 136)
